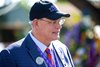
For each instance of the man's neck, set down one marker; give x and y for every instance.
(41, 39)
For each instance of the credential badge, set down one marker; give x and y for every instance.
(39, 60)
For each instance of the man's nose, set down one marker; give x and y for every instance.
(58, 25)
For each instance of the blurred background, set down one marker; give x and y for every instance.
(80, 33)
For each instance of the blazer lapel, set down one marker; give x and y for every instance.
(33, 51)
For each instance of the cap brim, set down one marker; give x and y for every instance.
(57, 15)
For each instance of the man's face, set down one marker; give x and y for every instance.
(49, 29)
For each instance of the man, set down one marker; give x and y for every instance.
(41, 47)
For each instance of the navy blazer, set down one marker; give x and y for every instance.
(23, 53)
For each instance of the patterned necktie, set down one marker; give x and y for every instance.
(49, 56)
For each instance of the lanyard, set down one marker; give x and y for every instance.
(45, 58)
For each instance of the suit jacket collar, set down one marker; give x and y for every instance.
(33, 50)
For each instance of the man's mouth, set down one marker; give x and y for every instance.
(56, 33)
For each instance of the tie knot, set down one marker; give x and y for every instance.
(47, 50)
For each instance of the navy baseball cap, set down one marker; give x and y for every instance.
(45, 9)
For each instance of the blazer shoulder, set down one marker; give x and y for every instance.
(58, 44)
(11, 49)
(14, 45)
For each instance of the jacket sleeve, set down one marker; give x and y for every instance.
(70, 58)
(6, 59)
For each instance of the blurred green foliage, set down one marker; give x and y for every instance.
(62, 0)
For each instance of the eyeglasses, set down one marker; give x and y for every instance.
(53, 22)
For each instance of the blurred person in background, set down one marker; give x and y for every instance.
(41, 47)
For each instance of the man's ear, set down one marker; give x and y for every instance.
(35, 23)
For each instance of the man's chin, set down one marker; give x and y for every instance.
(56, 38)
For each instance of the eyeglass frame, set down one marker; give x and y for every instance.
(53, 22)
